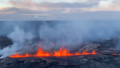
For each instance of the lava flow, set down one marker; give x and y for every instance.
(60, 53)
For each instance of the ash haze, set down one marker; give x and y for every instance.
(63, 22)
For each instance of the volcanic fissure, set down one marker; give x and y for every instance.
(62, 52)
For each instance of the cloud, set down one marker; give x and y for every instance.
(1, 8)
(105, 5)
(21, 14)
(84, 5)
(58, 1)
(28, 4)
(26, 14)
(30, 10)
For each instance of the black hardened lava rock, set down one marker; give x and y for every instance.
(104, 59)
(4, 42)
(107, 61)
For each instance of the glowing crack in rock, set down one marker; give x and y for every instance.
(62, 52)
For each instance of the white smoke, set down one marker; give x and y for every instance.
(20, 39)
(61, 33)
(76, 32)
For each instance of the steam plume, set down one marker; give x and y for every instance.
(59, 33)
(20, 39)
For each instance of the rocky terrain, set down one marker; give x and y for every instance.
(4, 41)
(107, 57)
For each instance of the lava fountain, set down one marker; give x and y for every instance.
(63, 52)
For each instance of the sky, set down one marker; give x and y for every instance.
(59, 10)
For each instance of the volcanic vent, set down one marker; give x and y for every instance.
(86, 55)
(63, 52)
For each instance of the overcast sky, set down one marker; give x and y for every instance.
(59, 9)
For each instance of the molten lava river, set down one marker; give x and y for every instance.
(63, 52)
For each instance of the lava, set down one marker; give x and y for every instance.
(62, 52)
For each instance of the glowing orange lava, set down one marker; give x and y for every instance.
(115, 54)
(62, 52)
